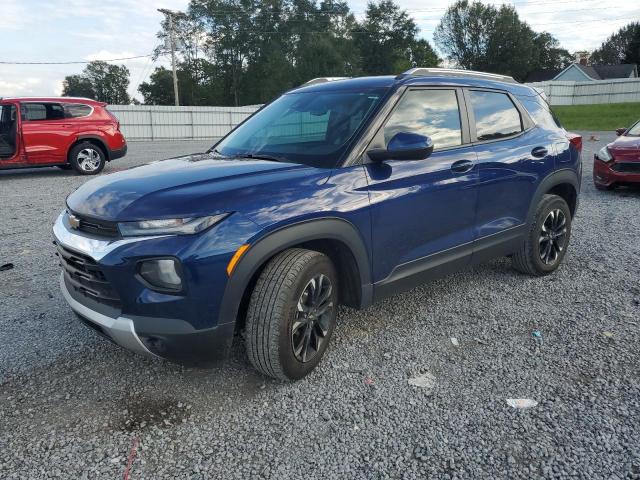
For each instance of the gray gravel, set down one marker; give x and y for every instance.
(73, 405)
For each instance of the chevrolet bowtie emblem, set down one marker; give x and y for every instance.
(74, 221)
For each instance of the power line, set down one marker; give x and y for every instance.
(77, 62)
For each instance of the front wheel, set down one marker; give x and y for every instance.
(292, 314)
(547, 240)
(87, 158)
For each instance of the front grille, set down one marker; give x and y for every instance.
(84, 275)
(626, 167)
(100, 228)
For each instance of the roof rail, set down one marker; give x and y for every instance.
(315, 81)
(421, 72)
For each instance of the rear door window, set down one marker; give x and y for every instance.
(35, 111)
(495, 115)
(432, 113)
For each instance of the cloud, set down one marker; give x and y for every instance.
(63, 30)
(20, 87)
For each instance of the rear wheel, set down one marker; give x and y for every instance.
(292, 314)
(547, 240)
(87, 158)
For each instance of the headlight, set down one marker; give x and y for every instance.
(161, 274)
(604, 155)
(173, 226)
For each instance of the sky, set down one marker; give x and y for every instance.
(82, 30)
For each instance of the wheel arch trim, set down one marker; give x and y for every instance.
(559, 177)
(326, 228)
(106, 150)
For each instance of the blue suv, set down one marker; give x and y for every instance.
(343, 191)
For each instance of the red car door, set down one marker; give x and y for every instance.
(46, 133)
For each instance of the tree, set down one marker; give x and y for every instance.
(621, 47)
(482, 37)
(388, 43)
(100, 81)
(200, 90)
(463, 33)
(77, 86)
(548, 53)
(234, 52)
(159, 89)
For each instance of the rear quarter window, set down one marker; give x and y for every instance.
(77, 110)
(540, 112)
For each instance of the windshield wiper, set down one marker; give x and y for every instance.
(215, 151)
(262, 156)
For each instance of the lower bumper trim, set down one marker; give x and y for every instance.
(121, 330)
(119, 153)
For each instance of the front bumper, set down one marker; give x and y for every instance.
(186, 329)
(121, 329)
(605, 175)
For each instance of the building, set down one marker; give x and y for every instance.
(581, 72)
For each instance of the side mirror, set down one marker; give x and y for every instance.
(404, 146)
(620, 131)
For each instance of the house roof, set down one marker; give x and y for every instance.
(624, 70)
(542, 75)
(602, 72)
(589, 70)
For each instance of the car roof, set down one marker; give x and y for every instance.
(54, 99)
(420, 77)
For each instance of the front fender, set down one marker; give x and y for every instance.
(272, 243)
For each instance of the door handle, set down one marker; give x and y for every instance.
(539, 152)
(462, 166)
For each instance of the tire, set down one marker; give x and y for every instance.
(605, 188)
(543, 250)
(86, 158)
(279, 314)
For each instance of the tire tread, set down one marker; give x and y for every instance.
(267, 307)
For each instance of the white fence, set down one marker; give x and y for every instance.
(582, 93)
(145, 122)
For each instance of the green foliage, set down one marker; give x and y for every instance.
(100, 81)
(236, 52)
(600, 117)
(388, 43)
(621, 47)
(77, 86)
(479, 36)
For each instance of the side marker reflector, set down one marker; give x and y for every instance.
(236, 258)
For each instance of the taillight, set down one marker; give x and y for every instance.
(575, 140)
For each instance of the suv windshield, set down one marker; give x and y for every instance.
(311, 128)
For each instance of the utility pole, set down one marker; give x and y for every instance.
(170, 15)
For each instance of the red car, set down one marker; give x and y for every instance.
(65, 132)
(619, 162)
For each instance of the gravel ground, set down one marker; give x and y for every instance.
(74, 406)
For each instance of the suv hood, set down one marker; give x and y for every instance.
(193, 185)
